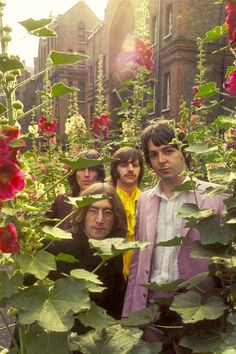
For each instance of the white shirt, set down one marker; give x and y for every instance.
(165, 259)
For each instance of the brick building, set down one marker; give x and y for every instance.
(174, 27)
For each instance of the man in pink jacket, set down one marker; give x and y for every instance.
(157, 220)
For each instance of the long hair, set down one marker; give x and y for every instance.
(119, 228)
(90, 155)
(125, 154)
(162, 134)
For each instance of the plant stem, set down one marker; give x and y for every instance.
(65, 218)
(64, 177)
(22, 339)
(98, 267)
(9, 330)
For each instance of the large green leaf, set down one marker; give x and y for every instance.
(60, 58)
(186, 186)
(85, 275)
(193, 281)
(81, 202)
(96, 318)
(142, 317)
(146, 348)
(9, 63)
(61, 89)
(214, 34)
(207, 90)
(38, 265)
(176, 241)
(191, 310)
(163, 286)
(55, 233)
(222, 174)
(8, 285)
(44, 32)
(193, 214)
(32, 24)
(40, 341)
(112, 247)
(82, 162)
(114, 339)
(201, 149)
(52, 310)
(212, 231)
(208, 251)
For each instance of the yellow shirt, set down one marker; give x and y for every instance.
(129, 202)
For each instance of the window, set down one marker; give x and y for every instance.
(168, 21)
(82, 62)
(81, 34)
(81, 86)
(166, 92)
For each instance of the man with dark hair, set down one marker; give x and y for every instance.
(157, 221)
(126, 176)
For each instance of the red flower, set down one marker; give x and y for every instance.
(143, 54)
(12, 180)
(47, 127)
(230, 84)
(100, 125)
(4, 150)
(11, 133)
(231, 20)
(8, 239)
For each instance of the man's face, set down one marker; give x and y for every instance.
(99, 220)
(85, 177)
(128, 173)
(167, 162)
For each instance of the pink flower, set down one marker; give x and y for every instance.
(100, 125)
(4, 150)
(230, 84)
(8, 239)
(231, 20)
(47, 127)
(12, 180)
(11, 133)
(143, 54)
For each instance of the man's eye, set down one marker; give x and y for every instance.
(152, 154)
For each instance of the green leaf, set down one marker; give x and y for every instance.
(112, 247)
(82, 162)
(201, 149)
(207, 90)
(55, 233)
(44, 32)
(2, 108)
(186, 186)
(113, 339)
(222, 174)
(61, 89)
(8, 285)
(52, 310)
(96, 318)
(162, 286)
(191, 310)
(61, 58)
(208, 251)
(203, 340)
(81, 202)
(16, 143)
(32, 24)
(212, 231)
(85, 275)
(190, 211)
(142, 317)
(176, 241)
(193, 281)
(40, 341)
(146, 348)
(231, 221)
(64, 257)
(229, 70)
(9, 63)
(216, 33)
(39, 265)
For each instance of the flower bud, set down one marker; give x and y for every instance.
(6, 38)
(18, 105)
(9, 77)
(7, 29)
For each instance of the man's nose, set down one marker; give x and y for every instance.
(86, 172)
(162, 158)
(130, 166)
(100, 217)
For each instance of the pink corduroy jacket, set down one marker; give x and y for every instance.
(146, 224)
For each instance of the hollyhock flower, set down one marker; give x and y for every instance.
(143, 54)
(230, 84)
(12, 180)
(100, 125)
(231, 20)
(10, 133)
(47, 127)
(8, 239)
(4, 150)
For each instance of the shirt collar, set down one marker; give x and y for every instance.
(159, 193)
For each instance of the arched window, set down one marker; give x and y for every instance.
(169, 21)
(81, 34)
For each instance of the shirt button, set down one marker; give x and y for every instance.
(145, 295)
(147, 271)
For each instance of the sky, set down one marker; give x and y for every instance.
(26, 45)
